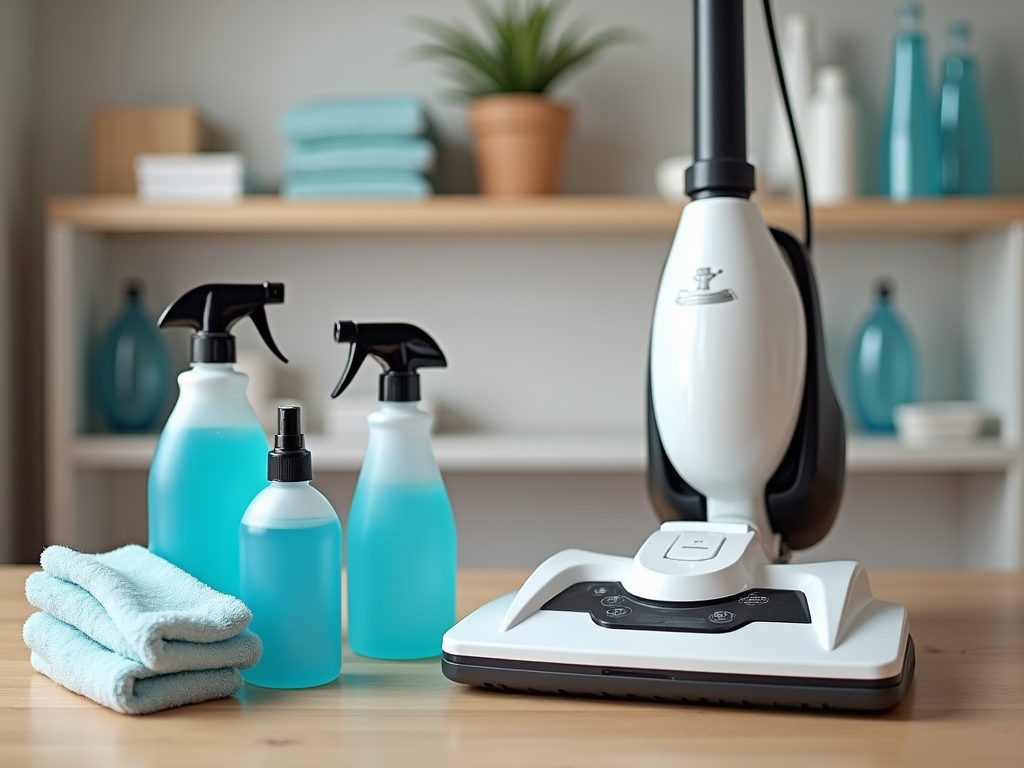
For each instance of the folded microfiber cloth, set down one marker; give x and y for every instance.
(72, 660)
(141, 607)
(396, 153)
(394, 116)
(334, 184)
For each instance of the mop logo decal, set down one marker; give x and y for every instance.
(703, 294)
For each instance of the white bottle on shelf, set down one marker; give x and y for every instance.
(780, 175)
(831, 140)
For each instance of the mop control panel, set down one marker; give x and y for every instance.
(609, 605)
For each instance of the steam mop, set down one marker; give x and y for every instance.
(746, 449)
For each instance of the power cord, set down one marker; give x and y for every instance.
(792, 123)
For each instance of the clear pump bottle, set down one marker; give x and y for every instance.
(401, 543)
(210, 460)
(290, 569)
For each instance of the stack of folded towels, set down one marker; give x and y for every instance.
(133, 632)
(358, 148)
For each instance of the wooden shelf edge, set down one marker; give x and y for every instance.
(473, 214)
(566, 454)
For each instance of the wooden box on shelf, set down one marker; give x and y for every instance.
(121, 133)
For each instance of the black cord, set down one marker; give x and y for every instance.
(792, 123)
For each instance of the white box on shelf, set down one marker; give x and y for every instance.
(925, 423)
(207, 177)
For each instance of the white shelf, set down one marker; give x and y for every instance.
(576, 453)
(886, 454)
(455, 452)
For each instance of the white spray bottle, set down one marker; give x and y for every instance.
(401, 548)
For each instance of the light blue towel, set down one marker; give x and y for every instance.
(143, 608)
(396, 153)
(71, 659)
(356, 184)
(394, 116)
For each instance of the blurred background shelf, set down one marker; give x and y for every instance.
(468, 214)
(566, 453)
(543, 306)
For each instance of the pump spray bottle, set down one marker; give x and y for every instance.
(401, 551)
(211, 459)
(290, 548)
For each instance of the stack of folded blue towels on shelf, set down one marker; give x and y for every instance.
(358, 147)
(132, 632)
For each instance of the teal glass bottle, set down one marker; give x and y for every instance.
(909, 164)
(966, 152)
(131, 370)
(883, 366)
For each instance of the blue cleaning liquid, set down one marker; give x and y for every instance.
(401, 556)
(200, 483)
(291, 581)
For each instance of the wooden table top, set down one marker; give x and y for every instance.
(965, 708)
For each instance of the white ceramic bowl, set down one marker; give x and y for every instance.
(938, 421)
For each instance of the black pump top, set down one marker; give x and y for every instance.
(400, 348)
(289, 462)
(214, 308)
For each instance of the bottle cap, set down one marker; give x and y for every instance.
(831, 81)
(910, 17)
(289, 462)
(958, 33)
(798, 28)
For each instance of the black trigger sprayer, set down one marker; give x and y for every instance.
(213, 309)
(400, 348)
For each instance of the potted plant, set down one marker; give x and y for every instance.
(520, 134)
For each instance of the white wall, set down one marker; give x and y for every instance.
(245, 61)
(15, 113)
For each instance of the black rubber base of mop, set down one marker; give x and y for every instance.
(683, 687)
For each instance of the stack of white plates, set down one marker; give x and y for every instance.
(938, 421)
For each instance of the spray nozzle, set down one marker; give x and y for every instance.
(214, 308)
(289, 462)
(400, 348)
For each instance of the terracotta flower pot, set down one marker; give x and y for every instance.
(520, 143)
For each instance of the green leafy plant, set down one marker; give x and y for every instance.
(519, 54)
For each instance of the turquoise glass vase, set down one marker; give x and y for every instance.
(909, 164)
(131, 370)
(966, 152)
(883, 366)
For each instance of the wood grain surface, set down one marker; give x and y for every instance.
(542, 214)
(965, 708)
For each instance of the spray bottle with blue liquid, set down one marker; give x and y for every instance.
(211, 459)
(290, 549)
(401, 548)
